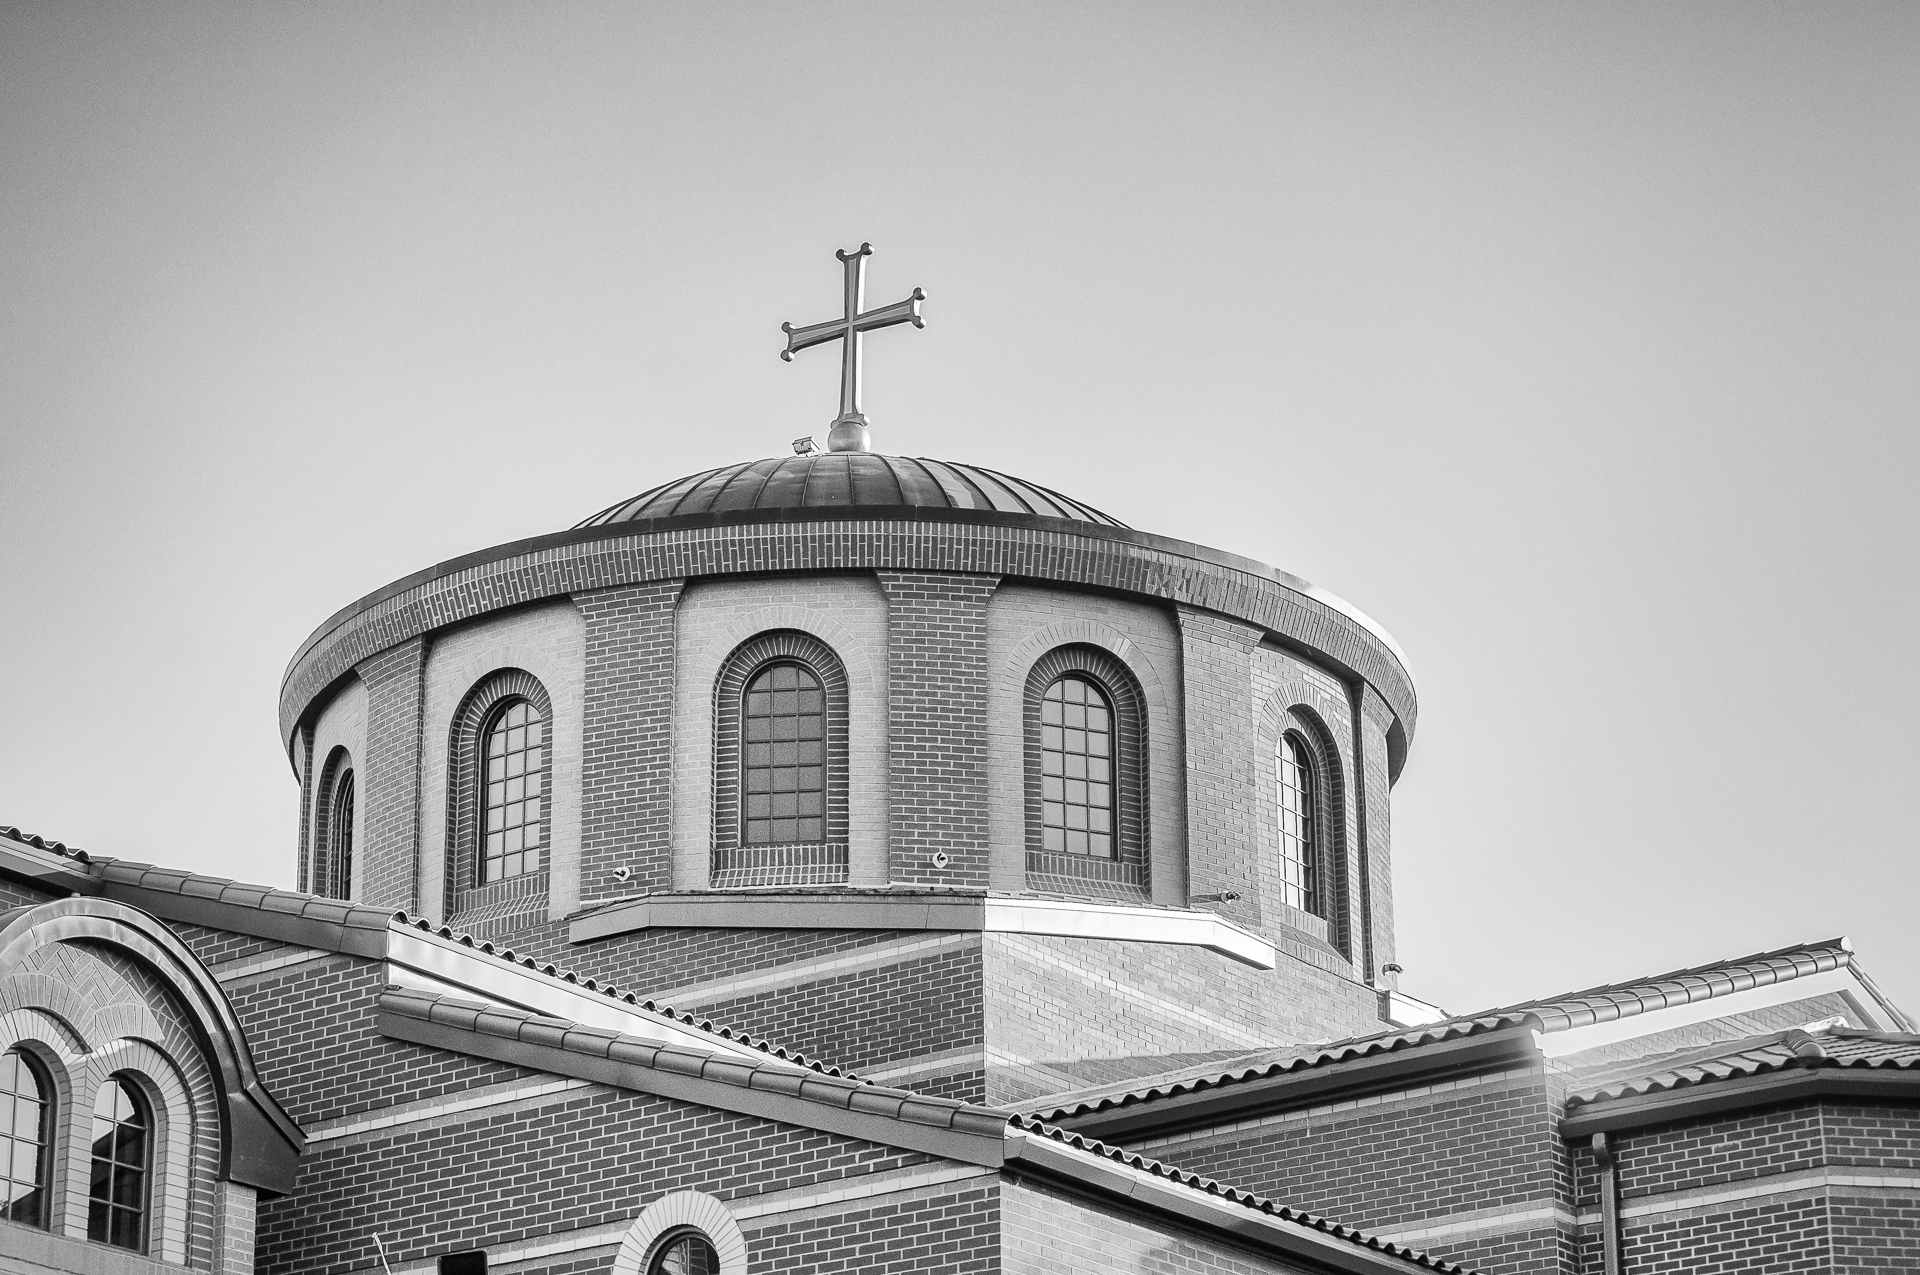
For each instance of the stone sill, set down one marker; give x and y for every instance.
(28, 1250)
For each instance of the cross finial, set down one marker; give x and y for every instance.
(849, 432)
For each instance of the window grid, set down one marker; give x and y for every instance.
(1294, 781)
(122, 1145)
(26, 1131)
(689, 1253)
(341, 860)
(1076, 769)
(515, 788)
(783, 722)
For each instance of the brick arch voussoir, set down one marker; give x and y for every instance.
(841, 640)
(1036, 645)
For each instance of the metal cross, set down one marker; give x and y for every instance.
(849, 432)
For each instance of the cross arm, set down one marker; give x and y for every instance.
(813, 334)
(907, 311)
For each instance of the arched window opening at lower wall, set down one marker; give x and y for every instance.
(117, 1195)
(685, 1253)
(26, 1139)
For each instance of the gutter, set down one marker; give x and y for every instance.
(1496, 1050)
(1718, 1097)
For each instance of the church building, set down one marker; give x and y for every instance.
(843, 862)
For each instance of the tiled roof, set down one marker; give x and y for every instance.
(1612, 1001)
(369, 923)
(1555, 1013)
(829, 1087)
(261, 898)
(1246, 1199)
(39, 842)
(632, 999)
(850, 1095)
(1269, 1063)
(1838, 1048)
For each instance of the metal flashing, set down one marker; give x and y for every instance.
(889, 910)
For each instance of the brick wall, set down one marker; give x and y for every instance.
(1375, 848)
(1291, 695)
(342, 723)
(849, 614)
(1770, 1190)
(1052, 1000)
(548, 642)
(873, 1015)
(1874, 1232)
(942, 1233)
(1047, 1232)
(578, 1159)
(386, 850)
(1024, 622)
(936, 726)
(1871, 1137)
(1766, 1237)
(319, 1051)
(627, 743)
(1222, 802)
(15, 895)
(1396, 1163)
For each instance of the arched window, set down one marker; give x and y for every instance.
(780, 764)
(331, 875)
(26, 1139)
(340, 834)
(500, 781)
(514, 791)
(1076, 768)
(1086, 776)
(685, 1253)
(122, 1164)
(783, 723)
(1298, 824)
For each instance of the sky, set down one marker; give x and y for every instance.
(1573, 343)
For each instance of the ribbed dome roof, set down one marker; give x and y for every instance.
(847, 480)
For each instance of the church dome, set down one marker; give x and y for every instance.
(847, 480)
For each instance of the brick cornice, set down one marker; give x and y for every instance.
(1048, 550)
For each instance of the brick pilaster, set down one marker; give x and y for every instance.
(626, 781)
(1370, 726)
(1223, 850)
(389, 782)
(937, 726)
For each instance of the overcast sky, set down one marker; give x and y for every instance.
(1575, 344)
